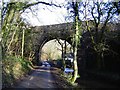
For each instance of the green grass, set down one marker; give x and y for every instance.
(13, 69)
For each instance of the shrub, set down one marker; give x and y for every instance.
(14, 68)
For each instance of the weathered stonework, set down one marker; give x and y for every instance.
(43, 34)
(49, 32)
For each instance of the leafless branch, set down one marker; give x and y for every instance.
(40, 2)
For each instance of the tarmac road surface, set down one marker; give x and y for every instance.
(39, 78)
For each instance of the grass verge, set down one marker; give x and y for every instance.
(14, 68)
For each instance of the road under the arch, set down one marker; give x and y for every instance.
(39, 78)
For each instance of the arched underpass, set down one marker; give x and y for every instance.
(54, 49)
(44, 34)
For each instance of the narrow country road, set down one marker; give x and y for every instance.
(39, 78)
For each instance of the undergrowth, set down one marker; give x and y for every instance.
(67, 77)
(13, 69)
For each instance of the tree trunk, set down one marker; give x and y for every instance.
(63, 53)
(63, 58)
(75, 67)
(64, 65)
(76, 40)
(23, 42)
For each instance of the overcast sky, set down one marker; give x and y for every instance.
(46, 15)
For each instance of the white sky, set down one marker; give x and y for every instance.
(47, 15)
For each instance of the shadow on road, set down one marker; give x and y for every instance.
(39, 78)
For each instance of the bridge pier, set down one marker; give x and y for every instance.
(37, 61)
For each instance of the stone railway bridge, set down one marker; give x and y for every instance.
(43, 34)
(64, 31)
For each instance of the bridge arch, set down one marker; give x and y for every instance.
(43, 34)
(52, 49)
